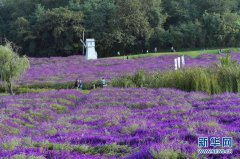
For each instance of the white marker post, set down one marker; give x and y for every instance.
(176, 64)
(179, 62)
(183, 61)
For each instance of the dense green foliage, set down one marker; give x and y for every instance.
(224, 77)
(54, 28)
(11, 65)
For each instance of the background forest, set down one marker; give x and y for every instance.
(54, 27)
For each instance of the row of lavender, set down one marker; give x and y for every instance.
(65, 69)
(116, 123)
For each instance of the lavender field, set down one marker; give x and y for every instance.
(119, 79)
(116, 123)
(65, 69)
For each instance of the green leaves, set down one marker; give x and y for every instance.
(11, 65)
(62, 28)
(226, 61)
(54, 28)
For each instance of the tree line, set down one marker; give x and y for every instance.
(45, 28)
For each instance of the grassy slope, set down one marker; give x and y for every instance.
(193, 54)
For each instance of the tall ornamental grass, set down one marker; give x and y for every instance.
(221, 77)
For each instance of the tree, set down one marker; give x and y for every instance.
(22, 34)
(97, 16)
(188, 35)
(132, 28)
(231, 29)
(214, 6)
(54, 28)
(213, 28)
(61, 30)
(178, 11)
(11, 65)
(153, 11)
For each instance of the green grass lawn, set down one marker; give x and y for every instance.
(193, 54)
(4, 94)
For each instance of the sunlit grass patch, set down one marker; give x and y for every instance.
(107, 150)
(141, 105)
(129, 129)
(24, 123)
(65, 102)
(85, 91)
(39, 116)
(23, 156)
(9, 130)
(91, 118)
(11, 144)
(212, 124)
(51, 131)
(167, 154)
(73, 97)
(59, 108)
(32, 90)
